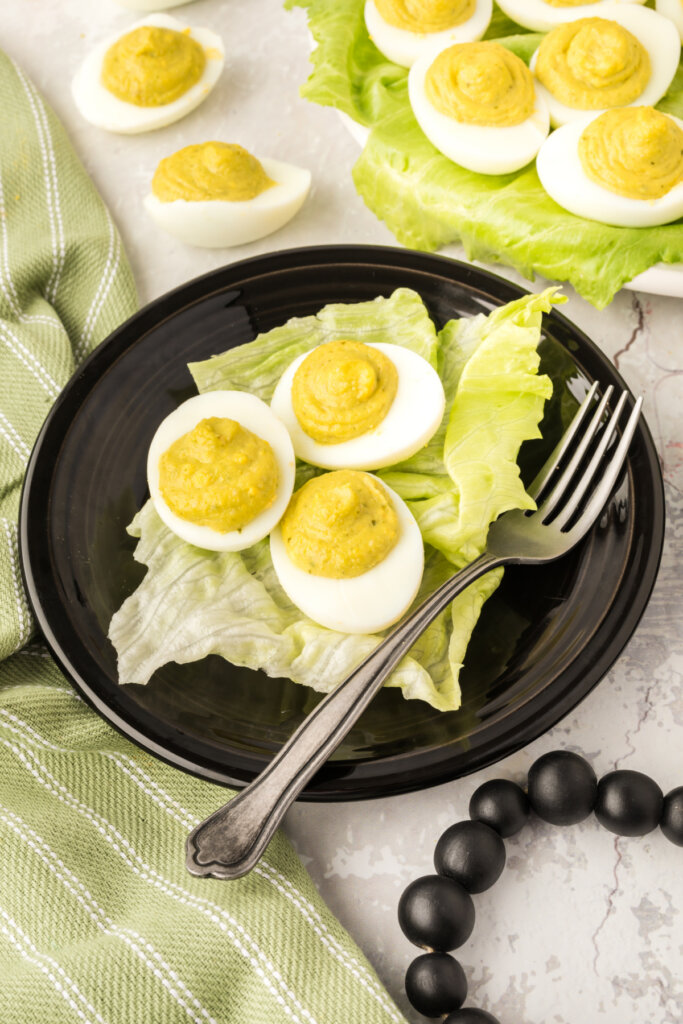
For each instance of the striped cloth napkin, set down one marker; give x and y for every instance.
(99, 921)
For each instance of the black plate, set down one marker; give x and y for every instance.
(544, 640)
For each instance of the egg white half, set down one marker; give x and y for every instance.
(482, 148)
(404, 47)
(663, 47)
(541, 17)
(672, 9)
(105, 110)
(562, 175)
(362, 604)
(254, 415)
(412, 419)
(220, 223)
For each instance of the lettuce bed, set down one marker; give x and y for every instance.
(428, 202)
(192, 602)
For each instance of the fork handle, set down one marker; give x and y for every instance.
(232, 839)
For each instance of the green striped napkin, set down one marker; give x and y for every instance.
(99, 921)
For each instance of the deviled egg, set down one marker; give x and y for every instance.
(627, 55)
(148, 77)
(476, 102)
(220, 470)
(672, 9)
(542, 15)
(348, 552)
(404, 29)
(623, 167)
(347, 404)
(216, 194)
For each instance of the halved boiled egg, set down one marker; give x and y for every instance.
(404, 29)
(542, 15)
(356, 406)
(348, 552)
(623, 167)
(626, 55)
(220, 470)
(476, 102)
(216, 194)
(148, 77)
(672, 9)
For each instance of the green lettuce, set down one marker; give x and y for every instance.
(428, 202)
(192, 602)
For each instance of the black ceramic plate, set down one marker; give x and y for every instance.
(544, 640)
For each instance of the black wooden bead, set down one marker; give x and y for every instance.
(435, 912)
(472, 853)
(470, 1015)
(629, 803)
(436, 984)
(502, 805)
(562, 787)
(672, 816)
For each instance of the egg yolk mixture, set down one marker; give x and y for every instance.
(219, 474)
(340, 525)
(570, 3)
(210, 170)
(635, 152)
(425, 15)
(480, 83)
(343, 389)
(152, 66)
(593, 63)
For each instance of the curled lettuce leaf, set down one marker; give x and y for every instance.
(192, 602)
(428, 202)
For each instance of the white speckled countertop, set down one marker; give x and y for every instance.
(582, 926)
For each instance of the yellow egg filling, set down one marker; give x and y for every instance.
(152, 66)
(425, 16)
(219, 475)
(210, 170)
(570, 3)
(340, 525)
(343, 389)
(593, 63)
(635, 152)
(480, 83)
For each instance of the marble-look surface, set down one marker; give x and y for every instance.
(582, 926)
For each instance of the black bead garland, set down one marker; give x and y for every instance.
(502, 805)
(672, 816)
(470, 855)
(562, 788)
(436, 984)
(435, 912)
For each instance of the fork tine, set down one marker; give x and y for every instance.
(581, 486)
(611, 472)
(566, 479)
(558, 452)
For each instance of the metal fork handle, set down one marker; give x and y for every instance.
(230, 842)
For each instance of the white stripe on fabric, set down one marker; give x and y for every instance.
(264, 869)
(67, 988)
(136, 942)
(33, 365)
(216, 914)
(54, 214)
(106, 280)
(13, 438)
(23, 616)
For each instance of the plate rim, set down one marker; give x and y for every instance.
(332, 787)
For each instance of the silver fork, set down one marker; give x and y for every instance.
(571, 490)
